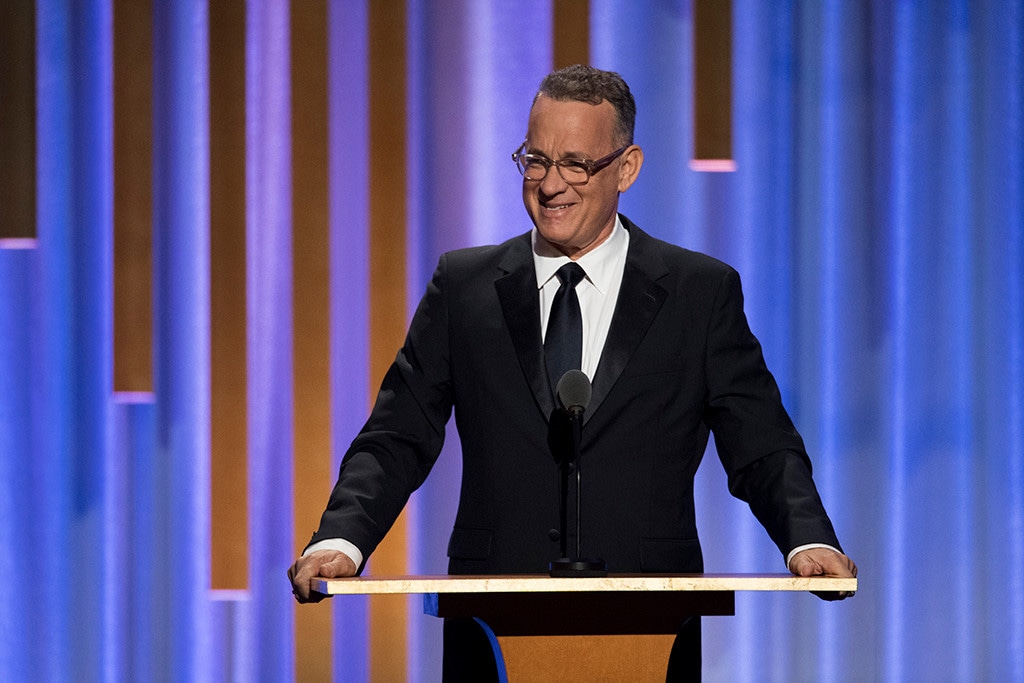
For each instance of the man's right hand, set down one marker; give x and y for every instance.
(329, 564)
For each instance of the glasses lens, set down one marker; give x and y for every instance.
(573, 172)
(535, 167)
(532, 167)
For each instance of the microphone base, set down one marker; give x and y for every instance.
(578, 568)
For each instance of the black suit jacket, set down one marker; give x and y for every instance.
(679, 360)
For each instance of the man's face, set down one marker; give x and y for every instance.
(576, 218)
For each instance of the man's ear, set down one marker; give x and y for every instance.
(629, 169)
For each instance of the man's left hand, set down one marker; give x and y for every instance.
(824, 562)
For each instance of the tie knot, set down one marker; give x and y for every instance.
(570, 274)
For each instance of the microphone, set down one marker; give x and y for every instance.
(564, 438)
(574, 391)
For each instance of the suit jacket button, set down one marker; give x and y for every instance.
(554, 535)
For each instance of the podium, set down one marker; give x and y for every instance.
(619, 627)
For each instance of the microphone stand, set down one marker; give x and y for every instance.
(563, 512)
(564, 566)
(576, 417)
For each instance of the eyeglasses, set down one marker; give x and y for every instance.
(573, 171)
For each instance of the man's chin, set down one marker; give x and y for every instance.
(550, 242)
(555, 229)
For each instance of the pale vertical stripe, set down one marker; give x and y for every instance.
(310, 312)
(1013, 219)
(18, 531)
(349, 145)
(900, 247)
(52, 360)
(181, 325)
(959, 317)
(73, 378)
(269, 308)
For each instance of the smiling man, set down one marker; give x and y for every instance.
(574, 210)
(659, 330)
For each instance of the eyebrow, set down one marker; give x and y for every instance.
(566, 155)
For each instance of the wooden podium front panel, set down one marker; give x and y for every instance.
(543, 659)
(581, 635)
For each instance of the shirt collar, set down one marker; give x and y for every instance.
(599, 264)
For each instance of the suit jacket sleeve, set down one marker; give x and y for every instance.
(761, 451)
(401, 440)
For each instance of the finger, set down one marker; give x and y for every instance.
(304, 593)
(330, 570)
(300, 574)
(810, 569)
(840, 565)
(843, 566)
(806, 566)
(339, 567)
(300, 589)
(832, 564)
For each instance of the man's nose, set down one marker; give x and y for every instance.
(553, 183)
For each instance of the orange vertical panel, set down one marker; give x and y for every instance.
(712, 59)
(572, 32)
(17, 119)
(311, 312)
(388, 621)
(228, 413)
(133, 196)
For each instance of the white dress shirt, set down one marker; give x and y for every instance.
(597, 292)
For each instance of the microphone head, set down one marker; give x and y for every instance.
(574, 390)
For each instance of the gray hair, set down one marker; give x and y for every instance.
(580, 83)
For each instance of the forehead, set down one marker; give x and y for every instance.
(561, 127)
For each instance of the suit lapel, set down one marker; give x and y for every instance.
(640, 298)
(520, 304)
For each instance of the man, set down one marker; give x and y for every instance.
(665, 341)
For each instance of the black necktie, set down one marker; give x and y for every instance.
(563, 342)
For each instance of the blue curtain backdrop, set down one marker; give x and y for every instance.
(876, 215)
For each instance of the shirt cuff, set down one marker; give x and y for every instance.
(808, 546)
(339, 544)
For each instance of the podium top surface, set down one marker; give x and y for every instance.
(542, 583)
